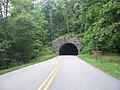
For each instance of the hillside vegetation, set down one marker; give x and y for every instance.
(27, 26)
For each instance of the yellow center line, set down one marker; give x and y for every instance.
(50, 76)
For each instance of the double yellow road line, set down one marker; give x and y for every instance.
(46, 83)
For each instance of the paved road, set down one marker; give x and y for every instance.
(71, 74)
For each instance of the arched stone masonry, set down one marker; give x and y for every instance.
(57, 43)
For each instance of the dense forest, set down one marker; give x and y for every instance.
(26, 27)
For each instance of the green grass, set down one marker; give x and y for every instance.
(34, 61)
(108, 63)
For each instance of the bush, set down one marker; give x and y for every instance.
(46, 51)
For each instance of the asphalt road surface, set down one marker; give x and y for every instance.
(59, 73)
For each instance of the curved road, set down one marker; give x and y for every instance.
(59, 73)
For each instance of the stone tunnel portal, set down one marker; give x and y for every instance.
(68, 49)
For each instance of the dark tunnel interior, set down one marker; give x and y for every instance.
(68, 49)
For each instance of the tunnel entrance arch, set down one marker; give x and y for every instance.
(68, 49)
(59, 43)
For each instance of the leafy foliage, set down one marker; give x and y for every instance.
(103, 26)
(27, 26)
(26, 34)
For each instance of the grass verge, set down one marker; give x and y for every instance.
(108, 63)
(34, 61)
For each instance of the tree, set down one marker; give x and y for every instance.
(4, 4)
